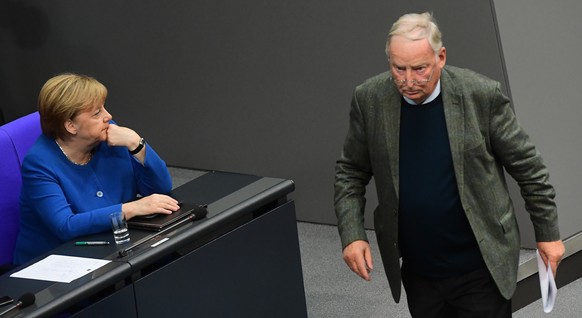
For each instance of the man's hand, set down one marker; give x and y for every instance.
(358, 256)
(552, 252)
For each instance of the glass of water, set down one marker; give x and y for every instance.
(119, 226)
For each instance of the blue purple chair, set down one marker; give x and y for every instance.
(16, 138)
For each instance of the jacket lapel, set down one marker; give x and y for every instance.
(391, 121)
(455, 121)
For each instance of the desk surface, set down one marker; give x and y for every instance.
(229, 197)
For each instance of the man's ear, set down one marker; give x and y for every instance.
(442, 57)
(70, 127)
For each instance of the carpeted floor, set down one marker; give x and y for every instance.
(332, 290)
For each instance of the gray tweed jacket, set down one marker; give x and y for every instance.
(484, 137)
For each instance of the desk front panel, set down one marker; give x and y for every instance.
(251, 271)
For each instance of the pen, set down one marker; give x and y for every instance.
(91, 243)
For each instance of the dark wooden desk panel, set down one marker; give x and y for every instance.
(251, 271)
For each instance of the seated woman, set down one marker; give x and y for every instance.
(82, 168)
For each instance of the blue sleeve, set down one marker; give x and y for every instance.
(153, 176)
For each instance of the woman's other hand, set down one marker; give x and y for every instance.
(152, 204)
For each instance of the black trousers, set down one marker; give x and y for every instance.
(473, 295)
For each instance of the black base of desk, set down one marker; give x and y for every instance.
(253, 271)
(119, 304)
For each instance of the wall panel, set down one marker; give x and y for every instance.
(256, 86)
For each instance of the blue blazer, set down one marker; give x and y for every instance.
(60, 200)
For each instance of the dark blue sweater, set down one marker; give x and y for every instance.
(436, 239)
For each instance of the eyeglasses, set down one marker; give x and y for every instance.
(419, 82)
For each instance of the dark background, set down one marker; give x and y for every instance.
(257, 87)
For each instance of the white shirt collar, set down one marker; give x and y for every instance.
(430, 98)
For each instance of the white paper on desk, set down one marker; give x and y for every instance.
(547, 284)
(60, 268)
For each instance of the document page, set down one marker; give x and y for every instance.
(547, 284)
(60, 268)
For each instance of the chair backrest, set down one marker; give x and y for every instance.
(16, 138)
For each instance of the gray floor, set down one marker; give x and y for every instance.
(332, 290)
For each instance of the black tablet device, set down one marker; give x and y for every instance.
(158, 222)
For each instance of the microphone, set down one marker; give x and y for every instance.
(24, 301)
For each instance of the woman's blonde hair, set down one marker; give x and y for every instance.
(63, 97)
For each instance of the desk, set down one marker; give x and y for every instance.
(241, 261)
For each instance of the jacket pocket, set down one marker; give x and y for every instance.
(475, 145)
(506, 221)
